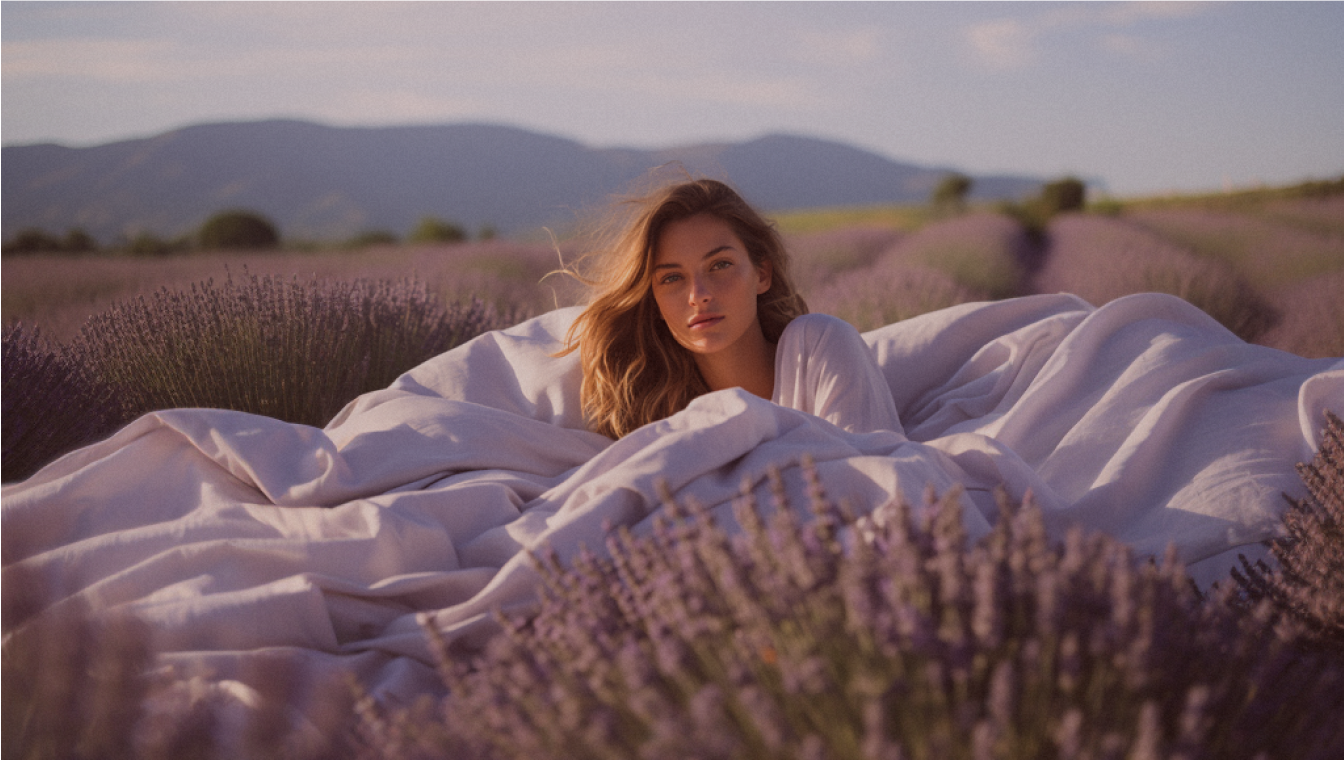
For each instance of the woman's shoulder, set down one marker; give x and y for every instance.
(808, 327)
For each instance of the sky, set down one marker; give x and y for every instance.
(1145, 98)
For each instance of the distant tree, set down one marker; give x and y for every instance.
(487, 232)
(78, 241)
(432, 229)
(1059, 196)
(372, 237)
(32, 240)
(1067, 194)
(148, 244)
(950, 194)
(238, 229)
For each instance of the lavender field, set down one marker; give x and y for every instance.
(1266, 270)
(777, 643)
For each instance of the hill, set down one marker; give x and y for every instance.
(321, 182)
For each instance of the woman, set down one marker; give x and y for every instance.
(692, 295)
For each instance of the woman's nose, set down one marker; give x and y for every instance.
(699, 291)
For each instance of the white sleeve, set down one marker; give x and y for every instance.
(823, 367)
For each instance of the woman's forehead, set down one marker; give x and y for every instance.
(687, 240)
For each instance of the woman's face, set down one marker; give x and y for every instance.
(706, 286)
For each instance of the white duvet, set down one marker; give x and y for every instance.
(239, 537)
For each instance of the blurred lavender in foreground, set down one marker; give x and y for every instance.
(1308, 584)
(290, 350)
(51, 404)
(1101, 259)
(78, 686)
(888, 637)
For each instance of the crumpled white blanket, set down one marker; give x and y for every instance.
(237, 536)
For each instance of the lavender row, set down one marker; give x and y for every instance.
(968, 258)
(1101, 259)
(296, 351)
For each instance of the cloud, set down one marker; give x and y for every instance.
(839, 49)
(108, 60)
(1004, 44)
(1126, 14)
(1015, 43)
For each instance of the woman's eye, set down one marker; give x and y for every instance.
(720, 264)
(669, 279)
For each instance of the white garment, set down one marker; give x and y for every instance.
(823, 367)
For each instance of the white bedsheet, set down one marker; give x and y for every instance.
(238, 536)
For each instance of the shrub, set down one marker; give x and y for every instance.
(1058, 197)
(1308, 585)
(148, 244)
(889, 637)
(1067, 194)
(372, 237)
(32, 240)
(950, 194)
(51, 404)
(238, 229)
(78, 241)
(432, 229)
(294, 351)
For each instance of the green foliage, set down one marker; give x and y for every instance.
(238, 229)
(950, 194)
(1239, 200)
(33, 240)
(372, 238)
(147, 244)
(1106, 207)
(1067, 194)
(1057, 197)
(432, 229)
(892, 217)
(78, 241)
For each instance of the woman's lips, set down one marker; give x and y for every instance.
(705, 321)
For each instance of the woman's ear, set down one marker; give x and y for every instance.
(764, 274)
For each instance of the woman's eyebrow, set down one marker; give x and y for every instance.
(672, 265)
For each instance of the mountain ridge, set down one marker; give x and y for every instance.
(323, 182)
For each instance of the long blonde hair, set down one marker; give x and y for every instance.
(634, 371)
